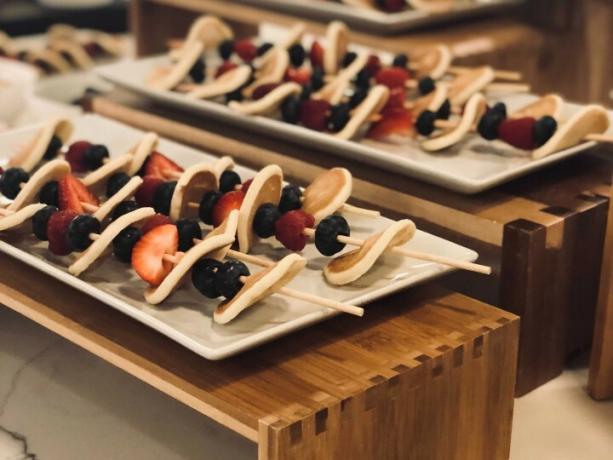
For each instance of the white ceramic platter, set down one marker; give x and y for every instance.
(379, 21)
(470, 166)
(186, 316)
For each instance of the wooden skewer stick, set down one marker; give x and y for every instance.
(477, 268)
(509, 75)
(90, 208)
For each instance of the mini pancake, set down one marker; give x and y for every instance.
(63, 31)
(209, 31)
(6, 45)
(124, 193)
(272, 70)
(105, 239)
(114, 165)
(334, 90)
(54, 170)
(265, 188)
(592, 119)
(550, 104)
(72, 52)
(431, 101)
(168, 78)
(191, 186)
(141, 151)
(223, 164)
(352, 265)
(434, 63)
(228, 226)
(469, 83)
(225, 83)
(32, 154)
(210, 247)
(259, 286)
(337, 38)
(52, 59)
(19, 217)
(474, 109)
(269, 103)
(108, 43)
(327, 193)
(374, 102)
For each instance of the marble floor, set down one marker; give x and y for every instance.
(58, 402)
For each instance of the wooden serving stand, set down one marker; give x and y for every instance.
(425, 374)
(536, 231)
(600, 385)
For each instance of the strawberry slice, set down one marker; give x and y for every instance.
(155, 221)
(392, 6)
(313, 114)
(72, 194)
(224, 67)
(316, 55)
(289, 229)
(246, 50)
(226, 204)
(161, 166)
(263, 90)
(392, 77)
(302, 76)
(148, 254)
(395, 101)
(76, 155)
(145, 191)
(518, 132)
(57, 232)
(396, 122)
(246, 185)
(373, 64)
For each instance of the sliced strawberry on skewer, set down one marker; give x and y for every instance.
(394, 123)
(145, 191)
(226, 204)
(148, 254)
(262, 90)
(392, 6)
(313, 114)
(316, 55)
(395, 101)
(518, 132)
(161, 166)
(392, 77)
(154, 221)
(57, 232)
(373, 64)
(224, 67)
(302, 76)
(246, 185)
(73, 194)
(289, 229)
(246, 50)
(76, 155)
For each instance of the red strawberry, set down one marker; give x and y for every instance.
(226, 204)
(246, 185)
(146, 190)
(395, 102)
(394, 123)
(302, 76)
(76, 155)
(392, 77)
(161, 166)
(72, 193)
(155, 221)
(518, 132)
(313, 114)
(1, 170)
(263, 90)
(57, 232)
(148, 254)
(373, 64)
(316, 55)
(224, 67)
(392, 6)
(289, 228)
(246, 50)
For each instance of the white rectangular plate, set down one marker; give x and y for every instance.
(379, 21)
(186, 316)
(470, 166)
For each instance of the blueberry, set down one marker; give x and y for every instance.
(339, 117)
(296, 54)
(40, 220)
(264, 47)
(53, 148)
(444, 111)
(95, 155)
(290, 109)
(426, 85)
(362, 79)
(358, 96)
(264, 220)
(163, 196)
(115, 183)
(307, 91)
(227, 278)
(236, 95)
(290, 199)
(501, 108)
(124, 208)
(317, 78)
(225, 49)
(488, 125)
(228, 181)
(207, 204)
(401, 60)
(327, 232)
(124, 242)
(11, 180)
(198, 71)
(348, 58)
(188, 231)
(203, 277)
(49, 194)
(79, 229)
(425, 122)
(544, 128)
